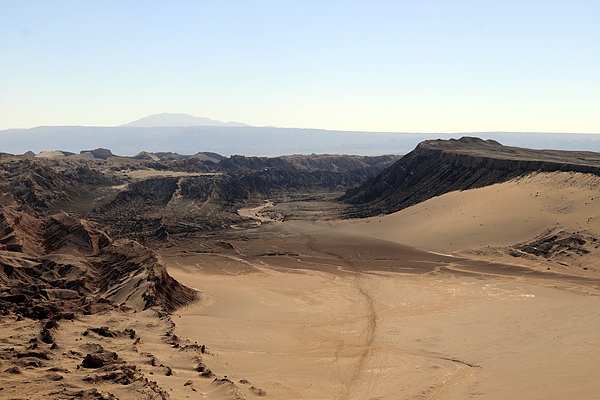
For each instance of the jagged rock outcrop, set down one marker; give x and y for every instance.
(68, 235)
(436, 167)
(59, 265)
(130, 274)
(20, 231)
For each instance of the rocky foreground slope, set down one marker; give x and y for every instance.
(436, 167)
(57, 270)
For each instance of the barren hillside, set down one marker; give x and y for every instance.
(436, 167)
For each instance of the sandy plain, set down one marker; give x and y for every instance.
(300, 310)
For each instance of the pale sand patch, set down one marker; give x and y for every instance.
(301, 336)
(497, 215)
(257, 212)
(50, 154)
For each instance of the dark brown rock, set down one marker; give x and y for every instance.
(99, 359)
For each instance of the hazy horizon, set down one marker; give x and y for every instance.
(229, 123)
(260, 141)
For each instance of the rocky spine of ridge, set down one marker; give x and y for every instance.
(59, 266)
(437, 167)
(131, 275)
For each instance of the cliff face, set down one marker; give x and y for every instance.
(441, 166)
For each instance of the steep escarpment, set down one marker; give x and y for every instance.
(441, 166)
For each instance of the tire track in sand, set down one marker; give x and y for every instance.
(372, 318)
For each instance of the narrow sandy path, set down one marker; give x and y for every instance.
(372, 318)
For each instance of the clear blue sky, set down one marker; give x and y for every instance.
(375, 65)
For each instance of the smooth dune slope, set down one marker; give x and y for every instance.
(497, 216)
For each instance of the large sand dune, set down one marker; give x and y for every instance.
(500, 216)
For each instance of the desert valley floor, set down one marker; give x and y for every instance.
(321, 311)
(488, 293)
(349, 318)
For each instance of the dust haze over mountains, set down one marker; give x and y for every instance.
(185, 134)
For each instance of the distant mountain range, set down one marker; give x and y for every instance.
(169, 119)
(186, 134)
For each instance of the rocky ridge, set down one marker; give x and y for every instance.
(63, 263)
(436, 167)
